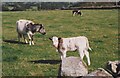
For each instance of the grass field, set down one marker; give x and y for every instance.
(99, 26)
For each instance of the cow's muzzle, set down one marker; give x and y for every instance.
(43, 33)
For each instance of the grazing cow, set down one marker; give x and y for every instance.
(80, 43)
(114, 67)
(76, 12)
(27, 27)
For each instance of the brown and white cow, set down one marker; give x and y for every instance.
(79, 43)
(28, 28)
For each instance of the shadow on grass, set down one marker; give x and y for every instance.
(14, 42)
(46, 61)
(10, 59)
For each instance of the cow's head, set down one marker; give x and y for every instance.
(40, 28)
(36, 28)
(56, 41)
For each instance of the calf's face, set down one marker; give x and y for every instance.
(54, 41)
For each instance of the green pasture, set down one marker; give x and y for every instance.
(99, 26)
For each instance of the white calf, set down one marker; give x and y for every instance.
(71, 44)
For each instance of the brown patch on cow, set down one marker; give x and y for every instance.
(50, 39)
(60, 42)
(63, 48)
(29, 26)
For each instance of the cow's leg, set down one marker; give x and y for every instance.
(32, 39)
(25, 39)
(81, 13)
(19, 36)
(63, 54)
(81, 52)
(87, 55)
(74, 13)
(61, 57)
(29, 36)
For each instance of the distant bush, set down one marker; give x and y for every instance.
(23, 6)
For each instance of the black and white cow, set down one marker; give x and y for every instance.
(28, 28)
(114, 68)
(76, 12)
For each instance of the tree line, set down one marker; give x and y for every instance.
(24, 6)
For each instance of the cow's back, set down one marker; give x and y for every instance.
(81, 41)
(21, 26)
(75, 42)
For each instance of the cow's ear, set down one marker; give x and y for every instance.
(50, 39)
(40, 24)
(60, 40)
(29, 25)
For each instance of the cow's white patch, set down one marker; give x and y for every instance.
(71, 44)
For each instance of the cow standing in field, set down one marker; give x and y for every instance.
(28, 28)
(76, 12)
(71, 44)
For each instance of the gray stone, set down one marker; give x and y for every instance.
(99, 73)
(73, 66)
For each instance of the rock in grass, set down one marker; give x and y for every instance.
(99, 73)
(73, 66)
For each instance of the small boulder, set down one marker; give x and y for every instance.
(99, 73)
(73, 66)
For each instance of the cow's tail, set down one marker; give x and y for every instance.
(87, 44)
(17, 26)
(17, 29)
